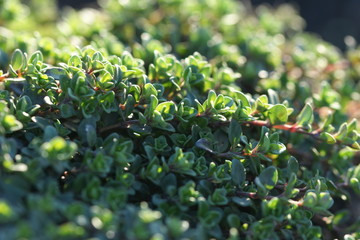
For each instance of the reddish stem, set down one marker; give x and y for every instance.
(293, 128)
(3, 77)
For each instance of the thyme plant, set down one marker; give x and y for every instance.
(175, 120)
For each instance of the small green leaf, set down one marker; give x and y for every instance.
(356, 146)
(141, 129)
(262, 103)
(129, 105)
(261, 189)
(218, 197)
(188, 195)
(23, 103)
(10, 123)
(277, 148)
(306, 116)
(49, 133)
(211, 219)
(273, 97)
(269, 177)
(325, 200)
(118, 74)
(343, 131)
(200, 107)
(327, 124)
(152, 106)
(234, 133)
(264, 143)
(310, 199)
(75, 61)
(322, 212)
(166, 107)
(278, 114)
(211, 98)
(289, 190)
(149, 90)
(328, 138)
(274, 137)
(18, 60)
(67, 110)
(146, 215)
(292, 165)
(264, 100)
(57, 149)
(219, 101)
(262, 157)
(182, 162)
(87, 131)
(187, 74)
(238, 173)
(7, 213)
(41, 122)
(233, 220)
(176, 226)
(36, 57)
(352, 125)
(242, 202)
(99, 163)
(159, 122)
(90, 134)
(355, 185)
(242, 97)
(204, 144)
(72, 95)
(107, 101)
(105, 81)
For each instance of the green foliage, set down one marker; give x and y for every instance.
(140, 120)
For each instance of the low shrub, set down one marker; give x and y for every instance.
(175, 120)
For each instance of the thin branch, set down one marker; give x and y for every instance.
(293, 128)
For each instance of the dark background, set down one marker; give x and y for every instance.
(331, 19)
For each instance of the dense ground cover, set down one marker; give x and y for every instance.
(175, 120)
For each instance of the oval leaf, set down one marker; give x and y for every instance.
(17, 59)
(306, 116)
(269, 177)
(238, 173)
(278, 114)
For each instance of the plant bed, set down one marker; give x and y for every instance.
(175, 120)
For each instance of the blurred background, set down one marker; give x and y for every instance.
(333, 20)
